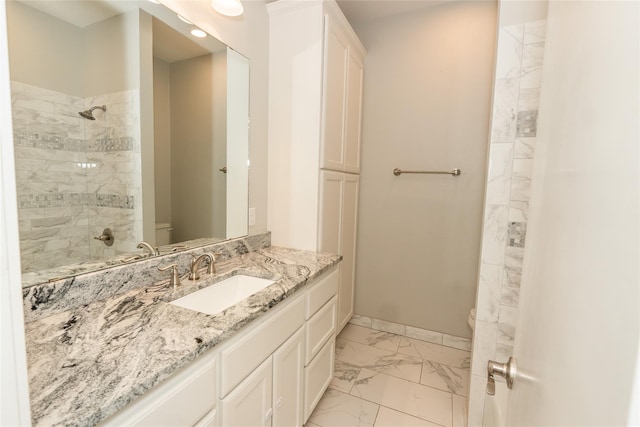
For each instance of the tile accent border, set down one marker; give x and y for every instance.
(59, 200)
(426, 335)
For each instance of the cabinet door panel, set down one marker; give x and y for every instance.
(320, 328)
(353, 120)
(333, 106)
(317, 377)
(329, 227)
(348, 245)
(246, 353)
(288, 371)
(249, 404)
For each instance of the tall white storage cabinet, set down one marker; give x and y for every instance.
(315, 105)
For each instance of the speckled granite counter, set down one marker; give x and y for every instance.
(88, 362)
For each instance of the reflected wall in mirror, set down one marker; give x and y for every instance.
(172, 116)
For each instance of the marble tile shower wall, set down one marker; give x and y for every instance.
(74, 176)
(513, 138)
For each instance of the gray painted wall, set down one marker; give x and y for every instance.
(427, 105)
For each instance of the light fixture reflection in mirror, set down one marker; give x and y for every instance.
(197, 32)
(75, 176)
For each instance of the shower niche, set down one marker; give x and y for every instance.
(122, 120)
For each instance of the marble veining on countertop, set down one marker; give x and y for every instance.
(87, 363)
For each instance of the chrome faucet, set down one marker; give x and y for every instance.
(152, 251)
(195, 265)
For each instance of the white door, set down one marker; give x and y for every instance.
(578, 331)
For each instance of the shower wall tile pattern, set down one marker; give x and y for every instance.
(75, 177)
(511, 153)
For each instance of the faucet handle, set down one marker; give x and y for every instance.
(211, 269)
(175, 277)
(131, 259)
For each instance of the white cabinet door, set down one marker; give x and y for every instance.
(337, 229)
(329, 227)
(249, 404)
(317, 377)
(353, 114)
(288, 371)
(348, 246)
(333, 105)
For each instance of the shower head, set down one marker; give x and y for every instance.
(88, 114)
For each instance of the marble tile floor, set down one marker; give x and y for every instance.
(383, 380)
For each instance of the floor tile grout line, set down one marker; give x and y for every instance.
(377, 413)
(406, 355)
(448, 391)
(421, 370)
(414, 338)
(380, 406)
(451, 394)
(408, 338)
(373, 345)
(402, 412)
(404, 379)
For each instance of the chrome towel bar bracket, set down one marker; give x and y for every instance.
(455, 172)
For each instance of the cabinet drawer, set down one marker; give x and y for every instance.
(245, 354)
(317, 377)
(181, 400)
(320, 328)
(321, 292)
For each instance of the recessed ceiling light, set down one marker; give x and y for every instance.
(183, 19)
(155, 1)
(197, 32)
(228, 7)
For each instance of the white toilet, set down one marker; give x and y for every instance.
(163, 233)
(472, 318)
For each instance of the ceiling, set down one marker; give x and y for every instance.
(355, 10)
(358, 11)
(89, 13)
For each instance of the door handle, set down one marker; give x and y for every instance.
(508, 371)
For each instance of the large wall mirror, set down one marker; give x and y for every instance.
(123, 120)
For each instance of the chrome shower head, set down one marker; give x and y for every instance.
(88, 114)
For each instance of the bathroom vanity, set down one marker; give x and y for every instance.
(133, 358)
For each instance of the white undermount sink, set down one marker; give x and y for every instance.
(222, 295)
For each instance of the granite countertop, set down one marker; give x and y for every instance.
(87, 363)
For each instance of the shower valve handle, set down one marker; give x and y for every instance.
(106, 237)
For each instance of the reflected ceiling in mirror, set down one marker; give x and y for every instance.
(124, 125)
